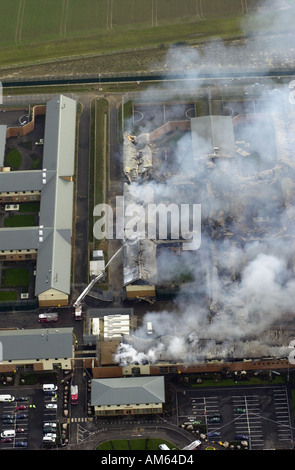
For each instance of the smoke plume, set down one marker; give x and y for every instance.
(241, 280)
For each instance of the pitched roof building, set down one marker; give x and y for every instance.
(42, 349)
(132, 395)
(52, 239)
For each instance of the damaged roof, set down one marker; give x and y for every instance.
(140, 262)
(213, 132)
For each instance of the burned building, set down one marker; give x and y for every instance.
(240, 168)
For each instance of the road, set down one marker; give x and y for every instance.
(82, 187)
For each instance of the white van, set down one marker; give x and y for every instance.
(49, 388)
(8, 433)
(163, 447)
(6, 398)
(48, 438)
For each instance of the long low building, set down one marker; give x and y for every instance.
(36, 349)
(54, 187)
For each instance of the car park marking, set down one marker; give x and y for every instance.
(282, 413)
(249, 422)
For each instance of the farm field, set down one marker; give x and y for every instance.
(35, 30)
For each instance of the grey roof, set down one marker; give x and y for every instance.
(128, 390)
(213, 131)
(19, 238)
(60, 124)
(3, 129)
(28, 180)
(37, 344)
(54, 263)
(56, 209)
(57, 193)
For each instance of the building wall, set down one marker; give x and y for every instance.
(17, 196)
(133, 409)
(18, 255)
(133, 292)
(26, 128)
(37, 365)
(169, 127)
(168, 368)
(53, 298)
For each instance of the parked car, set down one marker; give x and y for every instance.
(240, 410)
(214, 434)
(50, 435)
(52, 424)
(51, 405)
(21, 407)
(5, 440)
(21, 416)
(49, 429)
(19, 430)
(7, 417)
(8, 421)
(21, 398)
(242, 437)
(21, 444)
(50, 393)
(214, 419)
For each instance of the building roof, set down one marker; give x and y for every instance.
(28, 180)
(140, 262)
(128, 390)
(21, 238)
(56, 208)
(37, 344)
(55, 181)
(209, 132)
(3, 129)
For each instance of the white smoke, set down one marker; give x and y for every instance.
(252, 278)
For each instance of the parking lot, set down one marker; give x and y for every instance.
(259, 415)
(24, 418)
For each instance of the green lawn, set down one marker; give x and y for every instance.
(20, 220)
(35, 30)
(134, 444)
(8, 296)
(15, 277)
(29, 207)
(13, 159)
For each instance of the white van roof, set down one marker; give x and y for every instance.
(49, 387)
(8, 433)
(6, 398)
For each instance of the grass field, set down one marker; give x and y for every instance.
(8, 296)
(15, 277)
(13, 159)
(134, 444)
(60, 28)
(20, 220)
